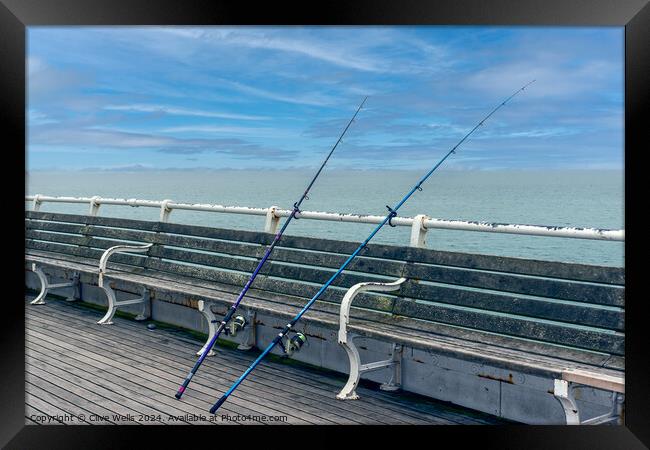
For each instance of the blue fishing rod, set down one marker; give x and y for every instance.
(392, 212)
(276, 239)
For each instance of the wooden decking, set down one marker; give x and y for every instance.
(78, 372)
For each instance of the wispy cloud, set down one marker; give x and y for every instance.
(335, 50)
(251, 96)
(35, 117)
(233, 130)
(164, 109)
(113, 139)
(313, 98)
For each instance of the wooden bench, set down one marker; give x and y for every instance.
(560, 321)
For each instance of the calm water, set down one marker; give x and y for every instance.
(562, 198)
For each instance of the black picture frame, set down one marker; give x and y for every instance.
(16, 15)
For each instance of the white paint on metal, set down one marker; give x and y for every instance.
(563, 391)
(250, 331)
(532, 230)
(46, 286)
(113, 304)
(94, 206)
(133, 248)
(36, 203)
(212, 329)
(419, 231)
(272, 221)
(426, 224)
(347, 342)
(165, 210)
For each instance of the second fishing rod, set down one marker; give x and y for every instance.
(231, 312)
(392, 212)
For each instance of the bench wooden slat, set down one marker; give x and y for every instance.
(531, 329)
(514, 304)
(504, 325)
(262, 282)
(570, 271)
(560, 289)
(516, 284)
(210, 260)
(445, 294)
(551, 269)
(58, 227)
(528, 329)
(480, 292)
(363, 319)
(326, 260)
(84, 252)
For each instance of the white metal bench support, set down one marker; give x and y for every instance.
(615, 415)
(347, 341)
(118, 249)
(250, 335)
(564, 391)
(212, 325)
(46, 286)
(113, 303)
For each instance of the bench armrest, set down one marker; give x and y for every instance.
(346, 303)
(596, 380)
(118, 249)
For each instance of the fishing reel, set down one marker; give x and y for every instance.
(293, 344)
(235, 325)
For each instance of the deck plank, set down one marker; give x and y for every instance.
(141, 362)
(77, 367)
(380, 403)
(58, 388)
(270, 380)
(294, 382)
(127, 383)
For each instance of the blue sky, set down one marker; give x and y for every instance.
(142, 98)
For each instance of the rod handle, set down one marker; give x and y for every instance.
(217, 405)
(181, 389)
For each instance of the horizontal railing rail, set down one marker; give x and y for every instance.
(419, 224)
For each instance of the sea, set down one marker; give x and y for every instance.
(582, 198)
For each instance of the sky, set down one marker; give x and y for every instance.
(173, 98)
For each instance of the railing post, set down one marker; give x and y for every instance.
(272, 221)
(36, 203)
(418, 231)
(165, 210)
(94, 205)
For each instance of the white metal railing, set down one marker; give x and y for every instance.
(419, 224)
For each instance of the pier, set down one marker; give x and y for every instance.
(407, 335)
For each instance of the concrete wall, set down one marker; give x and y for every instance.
(507, 394)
